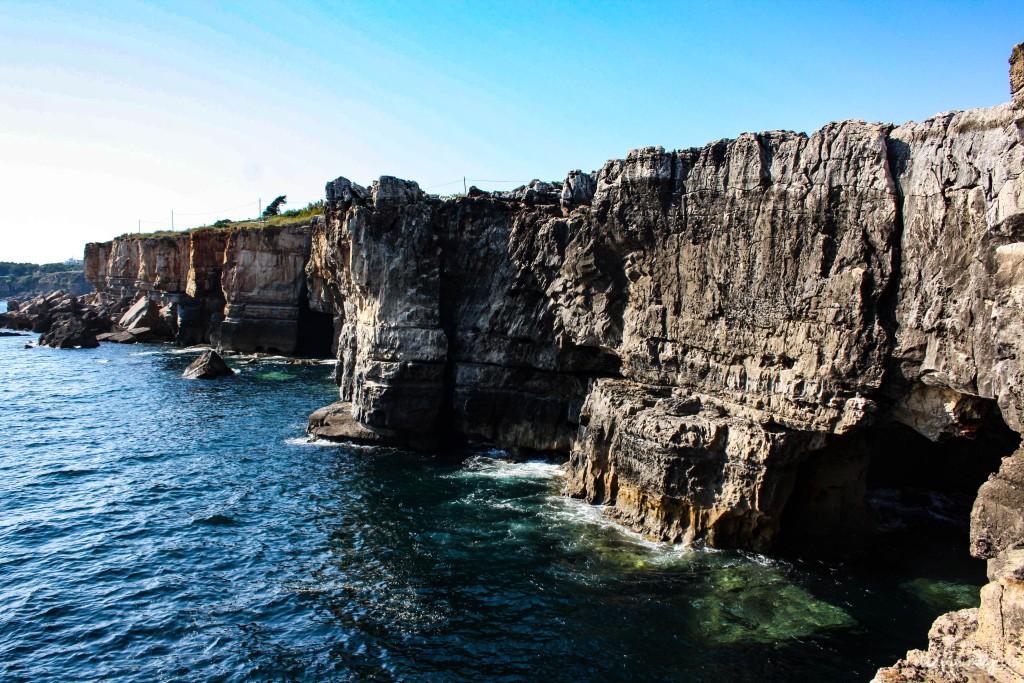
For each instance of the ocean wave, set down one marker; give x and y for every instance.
(504, 468)
(309, 441)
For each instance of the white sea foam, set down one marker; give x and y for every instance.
(307, 441)
(498, 468)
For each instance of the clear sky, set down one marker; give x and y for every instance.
(115, 112)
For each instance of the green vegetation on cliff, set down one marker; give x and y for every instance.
(290, 217)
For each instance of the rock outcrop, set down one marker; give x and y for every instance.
(699, 329)
(209, 365)
(241, 289)
(62, 320)
(690, 326)
(708, 335)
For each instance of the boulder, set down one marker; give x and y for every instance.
(209, 365)
(68, 333)
(143, 313)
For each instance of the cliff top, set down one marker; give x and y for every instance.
(296, 217)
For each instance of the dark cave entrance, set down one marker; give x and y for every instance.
(890, 495)
(315, 334)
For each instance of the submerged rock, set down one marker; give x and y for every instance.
(209, 365)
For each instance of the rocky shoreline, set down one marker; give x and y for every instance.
(713, 337)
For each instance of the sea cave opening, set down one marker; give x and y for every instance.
(315, 334)
(891, 496)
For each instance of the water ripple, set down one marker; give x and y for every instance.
(157, 529)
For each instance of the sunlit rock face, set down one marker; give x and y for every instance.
(796, 287)
(961, 177)
(694, 328)
(263, 281)
(698, 331)
(749, 275)
(240, 289)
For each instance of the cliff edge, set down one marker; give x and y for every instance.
(711, 334)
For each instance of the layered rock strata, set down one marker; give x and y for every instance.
(690, 326)
(705, 331)
(707, 334)
(241, 289)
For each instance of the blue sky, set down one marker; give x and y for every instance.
(128, 111)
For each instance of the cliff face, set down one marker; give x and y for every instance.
(241, 289)
(705, 331)
(690, 326)
(264, 283)
(711, 336)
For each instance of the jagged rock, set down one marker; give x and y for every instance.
(134, 336)
(577, 190)
(62, 319)
(68, 332)
(997, 520)
(1017, 75)
(695, 328)
(143, 313)
(987, 643)
(336, 423)
(209, 365)
(797, 286)
(678, 467)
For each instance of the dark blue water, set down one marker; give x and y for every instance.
(153, 528)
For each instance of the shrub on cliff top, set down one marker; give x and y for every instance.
(274, 207)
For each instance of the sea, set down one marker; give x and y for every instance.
(159, 529)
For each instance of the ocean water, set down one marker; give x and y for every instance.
(157, 529)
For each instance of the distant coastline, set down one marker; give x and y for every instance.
(33, 279)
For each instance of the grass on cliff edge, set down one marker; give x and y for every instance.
(292, 217)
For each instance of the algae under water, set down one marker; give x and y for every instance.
(159, 529)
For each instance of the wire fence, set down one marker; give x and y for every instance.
(464, 181)
(166, 224)
(169, 223)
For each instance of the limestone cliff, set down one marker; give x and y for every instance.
(711, 336)
(698, 329)
(692, 325)
(240, 289)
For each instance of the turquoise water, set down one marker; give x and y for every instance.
(153, 528)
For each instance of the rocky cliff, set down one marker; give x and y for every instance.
(690, 326)
(716, 338)
(240, 289)
(712, 335)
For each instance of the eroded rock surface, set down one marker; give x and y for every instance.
(62, 320)
(699, 329)
(694, 329)
(263, 281)
(209, 365)
(241, 289)
(716, 315)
